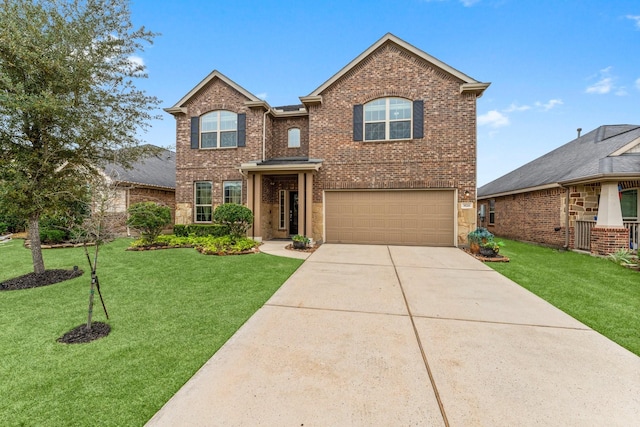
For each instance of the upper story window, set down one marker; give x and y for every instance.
(219, 129)
(392, 119)
(387, 119)
(294, 138)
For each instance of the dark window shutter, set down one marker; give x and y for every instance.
(357, 122)
(418, 119)
(242, 130)
(195, 132)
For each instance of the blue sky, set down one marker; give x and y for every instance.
(554, 65)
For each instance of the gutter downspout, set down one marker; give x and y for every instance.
(566, 219)
(264, 134)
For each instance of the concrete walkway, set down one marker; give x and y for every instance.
(409, 336)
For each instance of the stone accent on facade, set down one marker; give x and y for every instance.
(605, 241)
(466, 222)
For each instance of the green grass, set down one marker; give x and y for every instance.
(170, 311)
(597, 292)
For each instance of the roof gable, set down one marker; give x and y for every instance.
(468, 84)
(179, 107)
(591, 155)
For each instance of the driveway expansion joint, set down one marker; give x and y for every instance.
(340, 310)
(495, 322)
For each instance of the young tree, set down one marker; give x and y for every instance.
(99, 226)
(67, 100)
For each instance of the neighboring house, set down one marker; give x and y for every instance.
(150, 179)
(583, 195)
(383, 152)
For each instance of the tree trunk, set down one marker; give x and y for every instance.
(36, 249)
(91, 294)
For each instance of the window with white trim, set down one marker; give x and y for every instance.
(282, 214)
(492, 211)
(219, 129)
(203, 201)
(294, 138)
(232, 192)
(387, 119)
(629, 204)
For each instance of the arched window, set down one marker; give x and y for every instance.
(219, 129)
(294, 138)
(387, 119)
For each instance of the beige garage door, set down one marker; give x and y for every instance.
(394, 217)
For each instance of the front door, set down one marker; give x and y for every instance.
(293, 212)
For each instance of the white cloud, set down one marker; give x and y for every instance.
(550, 104)
(604, 85)
(638, 84)
(622, 91)
(136, 61)
(515, 107)
(493, 119)
(262, 95)
(635, 18)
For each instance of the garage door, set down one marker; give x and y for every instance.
(394, 217)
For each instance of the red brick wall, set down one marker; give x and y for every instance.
(162, 197)
(279, 144)
(216, 165)
(530, 217)
(445, 157)
(605, 241)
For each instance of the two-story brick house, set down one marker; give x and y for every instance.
(383, 152)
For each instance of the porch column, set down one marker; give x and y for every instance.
(609, 210)
(308, 207)
(250, 202)
(256, 198)
(302, 203)
(609, 233)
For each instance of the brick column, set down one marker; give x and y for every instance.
(607, 240)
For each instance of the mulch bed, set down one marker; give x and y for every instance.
(497, 258)
(81, 334)
(33, 280)
(307, 249)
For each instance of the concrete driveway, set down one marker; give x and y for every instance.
(409, 336)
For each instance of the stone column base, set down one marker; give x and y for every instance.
(607, 240)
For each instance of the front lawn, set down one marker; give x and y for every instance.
(597, 292)
(170, 311)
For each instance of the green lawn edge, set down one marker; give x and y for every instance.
(593, 290)
(170, 311)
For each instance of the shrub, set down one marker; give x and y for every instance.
(201, 230)
(224, 245)
(148, 218)
(237, 217)
(52, 236)
(479, 235)
(4, 227)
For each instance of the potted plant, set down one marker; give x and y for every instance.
(476, 237)
(490, 248)
(300, 241)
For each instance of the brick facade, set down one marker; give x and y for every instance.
(445, 157)
(540, 217)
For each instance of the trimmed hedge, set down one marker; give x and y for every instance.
(201, 230)
(52, 236)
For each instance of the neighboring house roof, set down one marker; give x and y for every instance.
(468, 84)
(156, 170)
(606, 152)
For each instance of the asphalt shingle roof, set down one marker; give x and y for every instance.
(580, 158)
(156, 170)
